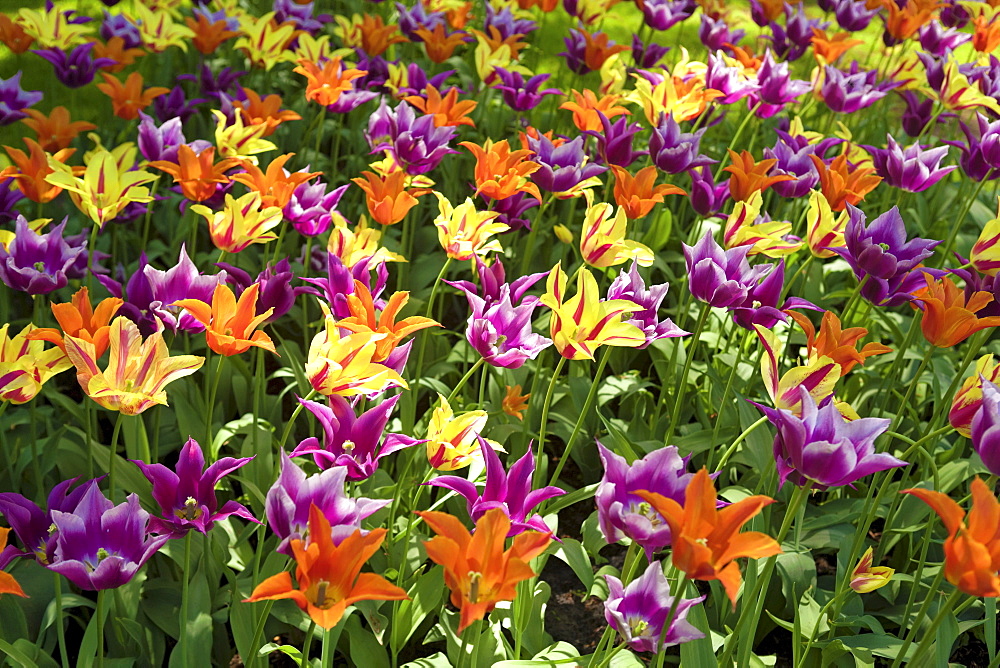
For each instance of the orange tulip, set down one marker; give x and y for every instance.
(329, 576)
(267, 111)
(948, 318)
(514, 402)
(363, 319)
(55, 131)
(987, 34)
(439, 45)
(750, 176)
(447, 110)
(500, 172)
(596, 49)
(827, 49)
(116, 51)
(705, 540)
(78, 319)
(12, 34)
(477, 569)
(229, 322)
(843, 183)
(197, 173)
(369, 33)
(275, 185)
(387, 198)
(837, 344)
(8, 585)
(325, 85)
(972, 549)
(128, 98)
(30, 172)
(637, 195)
(208, 35)
(585, 106)
(903, 22)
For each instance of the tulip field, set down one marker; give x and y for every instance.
(511, 333)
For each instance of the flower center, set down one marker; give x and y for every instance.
(474, 580)
(349, 446)
(190, 511)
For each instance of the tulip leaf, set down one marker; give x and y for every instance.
(573, 553)
(425, 596)
(436, 660)
(365, 649)
(698, 652)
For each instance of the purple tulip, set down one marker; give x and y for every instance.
(510, 491)
(505, 23)
(629, 285)
(640, 610)
(792, 154)
(792, 40)
(918, 113)
(416, 17)
(13, 99)
(976, 282)
(160, 143)
(729, 81)
(763, 298)
(623, 514)
(37, 263)
(823, 448)
(493, 284)
(415, 143)
(311, 207)
(883, 259)
(986, 427)
(938, 40)
(980, 155)
(9, 197)
(76, 68)
(31, 524)
(849, 92)
(288, 501)
(512, 209)
(563, 167)
(615, 144)
(954, 15)
(339, 283)
(301, 15)
(777, 88)
(674, 151)
(715, 33)
(707, 197)
(913, 169)
(353, 442)
(99, 545)
(175, 104)
(187, 496)
(227, 81)
(718, 277)
(647, 56)
(665, 14)
(853, 15)
(521, 95)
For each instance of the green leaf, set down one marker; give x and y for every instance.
(559, 653)
(886, 646)
(425, 596)
(293, 652)
(365, 649)
(18, 654)
(560, 502)
(573, 553)
(436, 660)
(698, 652)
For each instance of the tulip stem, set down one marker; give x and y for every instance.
(100, 627)
(209, 437)
(471, 631)
(410, 405)
(678, 595)
(990, 603)
(328, 644)
(756, 598)
(545, 415)
(465, 378)
(60, 630)
(679, 390)
(930, 635)
(111, 459)
(725, 396)
(306, 643)
(291, 420)
(961, 218)
(183, 638)
(587, 405)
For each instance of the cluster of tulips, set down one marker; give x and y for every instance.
(371, 300)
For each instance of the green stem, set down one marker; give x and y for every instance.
(306, 643)
(756, 598)
(471, 631)
(328, 646)
(185, 600)
(678, 592)
(100, 627)
(412, 396)
(545, 415)
(258, 631)
(465, 378)
(725, 397)
(291, 420)
(60, 621)
(209, 408)
(587, 405)
(111, 459)
(930, 635)
(679, 389)
(950, 243)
